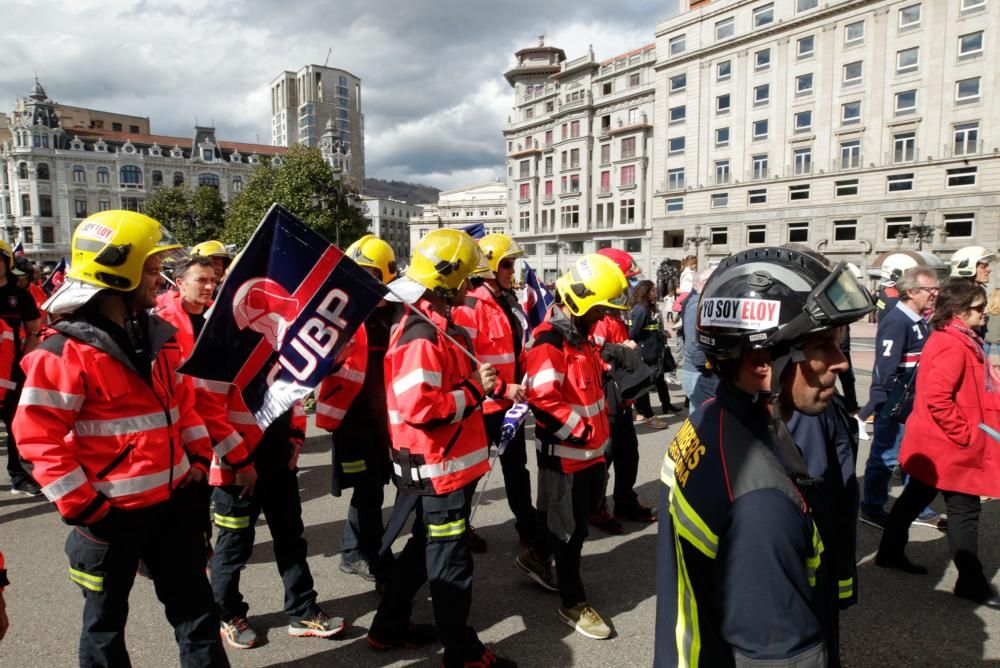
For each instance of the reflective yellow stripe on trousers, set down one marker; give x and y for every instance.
(846, 588)
(813, 562)
(446, 530)
(84, 579)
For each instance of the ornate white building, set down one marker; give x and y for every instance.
(52, 177)
(579, 151)
(858, 128)
(484, 203)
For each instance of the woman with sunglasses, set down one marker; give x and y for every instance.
(947, 447)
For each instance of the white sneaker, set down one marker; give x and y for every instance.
(862, 432)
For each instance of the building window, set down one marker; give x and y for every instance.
(28, 234)
(721, 172)
(756, 234)
(762, 60)
(25, 204)
(675, 179)
(606, 181)
(524, 169)
(806, 46)
(529, 249)
(79, 174)
(805, 5)
(804, 84)
(238, 187)
(678, 114)
(803, 121)
(628, 148)
(210, 180)
(724, 71)
(574, 183)
(846, 188)
(132, 204)
(722, 104)
(725, 29)
(760, 129)
(157, 178)
(967, 91)
(966, 138)
(42, 171)
(674, 204)
(548, 189)
(103, 204)
(854, 73)
(845, 230)
(757, 196)
(962, 176)
(570, 216)
(178, 179)
(896, 226)
(971, 45)
(763, 15)
(970, 5)
(207, 154)
(574, 158)
(628, 175)
(678, 83)
(850, 154)
(524, 192)
(677, 45)
(909, 17)
(761, 94)
(524, 221)
(721, 137)
(904, 147)
(850, 113)
(854, 33)
(899, 182)
(802, 160)
(22, 170)
(131, 175)
(760, 167)
(574, 129)
(48, 235)
(908, 60)
(719, 236)
(720, 200)
(959, 224)
(633, 245)
(80, 207)
(627, 207)
(906, 102)
(576, 247)
(798, 233)
(798, 192)
(675, 145)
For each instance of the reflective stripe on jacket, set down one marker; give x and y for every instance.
(438, 433)
(95, 432)
(566, 394)
(338, 390)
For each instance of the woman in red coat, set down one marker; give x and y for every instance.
(944, 448)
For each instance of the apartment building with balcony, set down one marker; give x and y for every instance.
(579, 155)
(858, 128)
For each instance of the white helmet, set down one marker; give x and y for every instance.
(964, 261)
(893, 267)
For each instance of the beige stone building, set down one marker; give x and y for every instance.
(484, 203)
(389, 219)
(859, 128)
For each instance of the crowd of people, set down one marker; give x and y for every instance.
(166, 475)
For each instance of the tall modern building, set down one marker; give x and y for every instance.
(321, 101)
(579, 149)
(858, 128)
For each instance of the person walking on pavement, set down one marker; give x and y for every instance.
(646, 329)
(566, 395)
(109, 429)
(698, 381)
(19, 310)
(949, 446)
(351, 405)
(744, 573)
(439, 452)
(899, 339)
(498, 327)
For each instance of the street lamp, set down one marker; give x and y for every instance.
(697, 240)
(921, 232)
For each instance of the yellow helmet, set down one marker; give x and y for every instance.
(594, 280)
(5, 251)
(442, 260)
(497, 247)
(370, 251)
(211, 248)
(111, 247)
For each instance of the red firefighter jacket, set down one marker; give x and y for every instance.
(228, 445)
(566, 394)
(608, 329)
(338, 390)
(95, 432)
(487, 324)
(438, 434)
(7, 354)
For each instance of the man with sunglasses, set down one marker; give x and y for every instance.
(900, 336)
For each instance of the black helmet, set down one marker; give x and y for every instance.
(22, 266)
(765, 297)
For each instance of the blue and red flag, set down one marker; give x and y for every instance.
(537, 298)
(476, 230)
(18, 249)
(287, 309)
(56, 278)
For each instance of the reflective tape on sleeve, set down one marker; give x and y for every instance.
(572, 420)
(352, 375)
(125, 426)
(460, 403)
(330, 411)
(414, 378)
(143, 483)
(506, 358)
(192, 434)
(546, 376)
(226, 445)
(36, 396)
(64, 485)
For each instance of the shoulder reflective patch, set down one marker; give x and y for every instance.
(751, 314)
(686, 451)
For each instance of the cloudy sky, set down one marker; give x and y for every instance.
(433, 93)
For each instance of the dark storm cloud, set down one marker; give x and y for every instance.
(433, 93)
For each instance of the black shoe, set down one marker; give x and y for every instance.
(639, 513)
(489, 660)
(982, 595)
(476, 542)
(900, 562)
(26, 487)
(876, 519)
(417, 635)
(361, 568)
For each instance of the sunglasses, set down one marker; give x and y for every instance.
(980, 308)
(506, 264)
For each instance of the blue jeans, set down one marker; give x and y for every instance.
(688, 380)
(884, 455)
(698, 387)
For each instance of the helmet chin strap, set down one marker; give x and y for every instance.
(135, 325)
